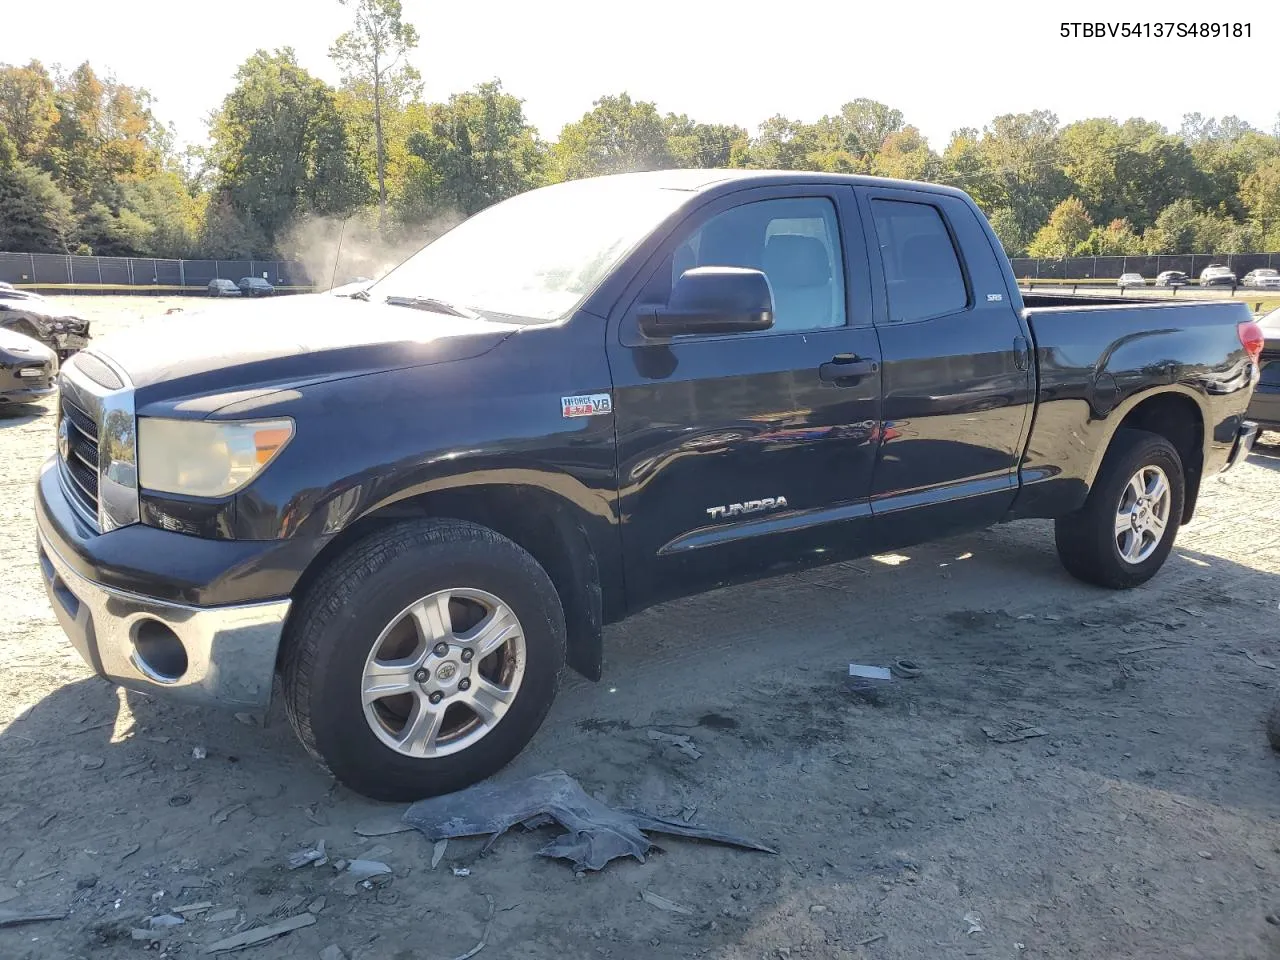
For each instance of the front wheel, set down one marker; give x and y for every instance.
(1124, 532)
(423, 659)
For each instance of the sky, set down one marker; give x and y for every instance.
(944, 65)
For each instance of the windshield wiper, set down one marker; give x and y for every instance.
(359, 295)
(435, 306)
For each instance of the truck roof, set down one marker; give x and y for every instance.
(699, 180)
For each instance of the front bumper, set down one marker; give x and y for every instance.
(26, 394)
(223, 656)
(164, 613)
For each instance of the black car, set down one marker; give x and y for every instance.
(27, 369)
(42, 320)
(1216, 275)
(255, 287)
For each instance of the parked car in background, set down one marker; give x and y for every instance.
(1131, 280)
(1264, 408)
(255, 287)
(9, 292)
(1172, 278)
(27, 369)
(41, 320)
(1216, 275)
(223, 288)
(1263, 279)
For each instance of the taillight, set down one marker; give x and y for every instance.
(1251, 338)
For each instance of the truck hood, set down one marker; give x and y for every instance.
(220, 356)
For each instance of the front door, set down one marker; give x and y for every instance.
(745, 454)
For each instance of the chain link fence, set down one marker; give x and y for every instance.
(56, 273)
(1110, 268)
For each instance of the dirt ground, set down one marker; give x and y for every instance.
(1145, 822)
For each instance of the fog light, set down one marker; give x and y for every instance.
(158, 652)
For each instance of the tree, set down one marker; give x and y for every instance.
(372, 53)
(35, 216)
(1012, 237)
(618, 135)
(27, 108)
(471, 152)
(905, 155)
(1021, 151)
(281, 149)
(1068, 228)
(1116, 239)
(1174, 230)
(1260, 195)
(704, 145)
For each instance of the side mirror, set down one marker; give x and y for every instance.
(712, 300)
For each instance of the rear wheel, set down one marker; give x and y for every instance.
(423, 659)
(1124, 532)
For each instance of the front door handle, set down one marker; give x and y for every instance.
(846, 369)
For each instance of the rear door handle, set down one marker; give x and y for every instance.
(846, 369)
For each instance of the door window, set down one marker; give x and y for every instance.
(794, 241)
(921, 268)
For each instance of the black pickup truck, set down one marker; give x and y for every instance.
(417, 504)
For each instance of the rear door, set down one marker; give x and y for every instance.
(958, 383)
(749, 453)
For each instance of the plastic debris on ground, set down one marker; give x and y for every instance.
(596, 833)
(662, 903)
(1012, 731)
(870, 673)
(258, 935)
(303, 857)
(12, 918)
(364, 869)
(679, 741)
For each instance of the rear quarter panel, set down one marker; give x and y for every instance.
(1097, 364)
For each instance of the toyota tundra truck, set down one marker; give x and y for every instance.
(417, 504)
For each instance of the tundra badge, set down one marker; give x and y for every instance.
(589, 405)
(750, 506)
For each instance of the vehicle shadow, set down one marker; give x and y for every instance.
(20, 414)
(1266, 451)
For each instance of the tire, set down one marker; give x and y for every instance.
(1089, 543)
(336, 630)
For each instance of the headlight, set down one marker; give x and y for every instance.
(203, 458)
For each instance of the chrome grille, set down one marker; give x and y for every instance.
(79, 460)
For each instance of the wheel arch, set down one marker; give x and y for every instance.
(551, 527)
(1178, 415)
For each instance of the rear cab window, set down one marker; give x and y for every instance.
(923, 273)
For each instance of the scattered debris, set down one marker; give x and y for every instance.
(258, 935)
(382, 827)
(91, 763)
(310, 855)
(200, 907)
(461, 872)
(129, 771)
(870, 673)
(974, 921)
(1026, 616)
(87, 882)
(222, 815)
(151, 935)
(662, 903)
(247, 719)
(484, 937)
(48, 820)
(1011, 731)
(130, 852)
(11, 918)
(379, 852)
(222, 916)
(332, 952)
(1260, 661)
(871, 939)
(179, 799)
(905, 669)
(679, 741)
(173, 310)
(165, 920)
(96, 726)
(199, 753)
(316, 905)
(364, 869)
(596, 833)
(437, 852)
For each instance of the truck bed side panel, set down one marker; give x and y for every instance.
(1097, 364)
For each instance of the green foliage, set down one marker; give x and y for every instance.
(280, 148)
(35, 216)
(1066, 232)
(471, 152)
(618, 135)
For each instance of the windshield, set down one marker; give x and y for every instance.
(537, 255)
